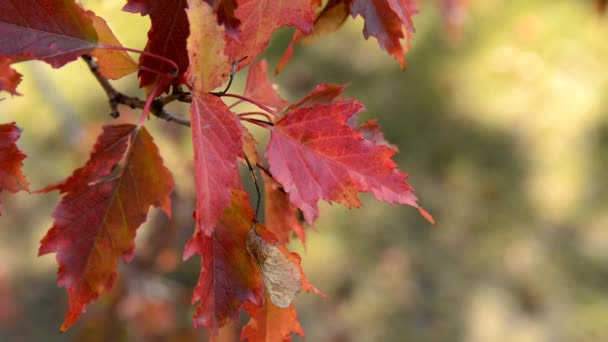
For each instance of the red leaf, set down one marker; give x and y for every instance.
(216, 135)
(11, 160)
(228, 275)
(384, 19)
(282, 217)
(259, 19)
(314, 154)
(106, 201)
(166, 38)
(371, 131)
(271, 323)
(55, 31)
(9, 78)
(259, 87)
(225, 16)
(322, 94)
(209, 67)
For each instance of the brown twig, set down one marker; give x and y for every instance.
(116, 98)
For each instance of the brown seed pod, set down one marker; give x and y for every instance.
(281, 276)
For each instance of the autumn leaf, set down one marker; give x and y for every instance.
(385, 20)
(271, 323)
(209, 67)
(226, 17)
(260, 89)
(314, 154)
(55, 31)
(281, 269)
(228, 277)
(282, 218)
(166, 37)
(216, 136)
(259, 19)
(328, 20)
(371, 131)
(321, 94)
(9, 78)
(11, 160)
(105, 202)
(113, 64)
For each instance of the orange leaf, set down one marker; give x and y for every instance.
(271, 323)
(282, 217)
(105, 202)
(113, 64)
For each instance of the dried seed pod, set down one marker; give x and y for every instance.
(281, 275)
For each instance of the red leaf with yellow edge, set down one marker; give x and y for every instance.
(166, 37)
(228, 277)
(260, 89)
(385, 20)
(9, 78)
(113, 64)
(259, 19)
(11, 160)
(216, 136)
(314, 154)
(209, 67)
(270, 323)
(282, 218)
(55, 31)
(105, 202)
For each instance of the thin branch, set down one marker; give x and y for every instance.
(257, 189)
(116, 98)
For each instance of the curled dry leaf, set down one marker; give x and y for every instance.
(282, 277)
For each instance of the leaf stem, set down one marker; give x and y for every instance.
(175, 70)
(245, 114)
(257, 104)
(257, 189)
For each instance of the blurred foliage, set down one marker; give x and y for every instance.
(502, 123)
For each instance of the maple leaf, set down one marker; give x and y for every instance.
(166, 37)
(321, 94)
(281, 216)
(259, 19)
(228, 275)
(225, 16)
(11, 160)
(9, 78)
(271, 323)
(113, 64)
(328, 20)
(385, 19)
(105, 202)
(55, 31)
(216, 135)
(371, 131)
(314, 154)
(209, 67)
(259, 87)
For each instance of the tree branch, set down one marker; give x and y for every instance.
(116, 98)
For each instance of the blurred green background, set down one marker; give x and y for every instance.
(501, 119)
